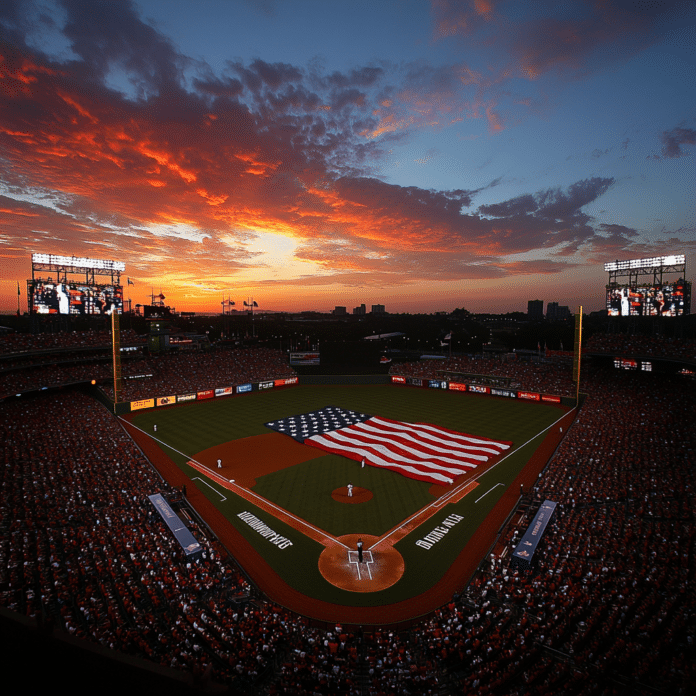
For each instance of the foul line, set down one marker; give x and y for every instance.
(434, 504)
(488, 491)
(320, 535)
(263, 503)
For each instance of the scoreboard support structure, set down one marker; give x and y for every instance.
(116, 353)
(577, 354)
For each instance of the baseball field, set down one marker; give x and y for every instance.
(284, 509)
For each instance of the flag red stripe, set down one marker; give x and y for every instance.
(358, 453)
(420, 451)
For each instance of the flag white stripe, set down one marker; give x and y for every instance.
(374, 460)
(460, 466)
(421, 451)
(417, 427)
(384, 435)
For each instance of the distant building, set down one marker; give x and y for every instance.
(556, 312)
(378, 309)
(340, 311)
(360, 310)
(535, 309)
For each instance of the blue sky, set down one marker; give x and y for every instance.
(421, 155)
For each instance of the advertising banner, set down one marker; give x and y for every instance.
(503, 392)
(522, 555)
(186, 397)
(530, 396)
(397, 379)
(166, 400)
(437, 384)
(478, 389)
(285, 382)
(551, 399)
(414, 381)
(457, 386)
(143, 403)
(266, 385)
(207, 394)
(242, 388)
(224, 391)
(304, 358)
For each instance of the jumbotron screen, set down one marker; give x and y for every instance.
(76, 298)
(667, 300)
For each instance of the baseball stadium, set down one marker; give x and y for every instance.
(196, 517)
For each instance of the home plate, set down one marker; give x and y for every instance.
(380, 568)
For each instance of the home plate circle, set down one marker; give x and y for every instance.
(381, 567)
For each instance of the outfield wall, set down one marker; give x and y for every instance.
(519, 394)
(345, 379)
(340, 380)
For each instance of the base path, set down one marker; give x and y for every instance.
(337, 549)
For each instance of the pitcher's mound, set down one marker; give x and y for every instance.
(360, 495)
(380, 568)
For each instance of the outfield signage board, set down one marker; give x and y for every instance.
(478, 389)
(551, 399)
(530, 396)
(437, 384)
(286, 381)
(224, 391)
(398, 379)
(243, 388)
(414, 381)
(503, 392)
(143, 403)
(186, 397)
(266, 385)
(166, 400)
(207, 394)
(458, 386)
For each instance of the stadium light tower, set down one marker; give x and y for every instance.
(251, 303)
(227, 303)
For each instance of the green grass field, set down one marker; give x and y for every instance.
(305, 489)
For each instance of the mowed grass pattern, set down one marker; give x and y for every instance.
(305, 489)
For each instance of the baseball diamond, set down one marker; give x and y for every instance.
(284, 512)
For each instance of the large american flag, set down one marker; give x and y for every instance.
(418, 450)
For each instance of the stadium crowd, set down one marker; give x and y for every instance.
(187, 373)
(144, 376)
(543, 377)
(608, 605)
(638, 345)
(16, 343)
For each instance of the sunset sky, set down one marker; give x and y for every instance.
(423, 155)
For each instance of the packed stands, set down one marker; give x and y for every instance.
(608, 605)
(534, 376)
(185, 373)
(636, 345)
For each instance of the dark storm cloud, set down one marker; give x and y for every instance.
(551, 204)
